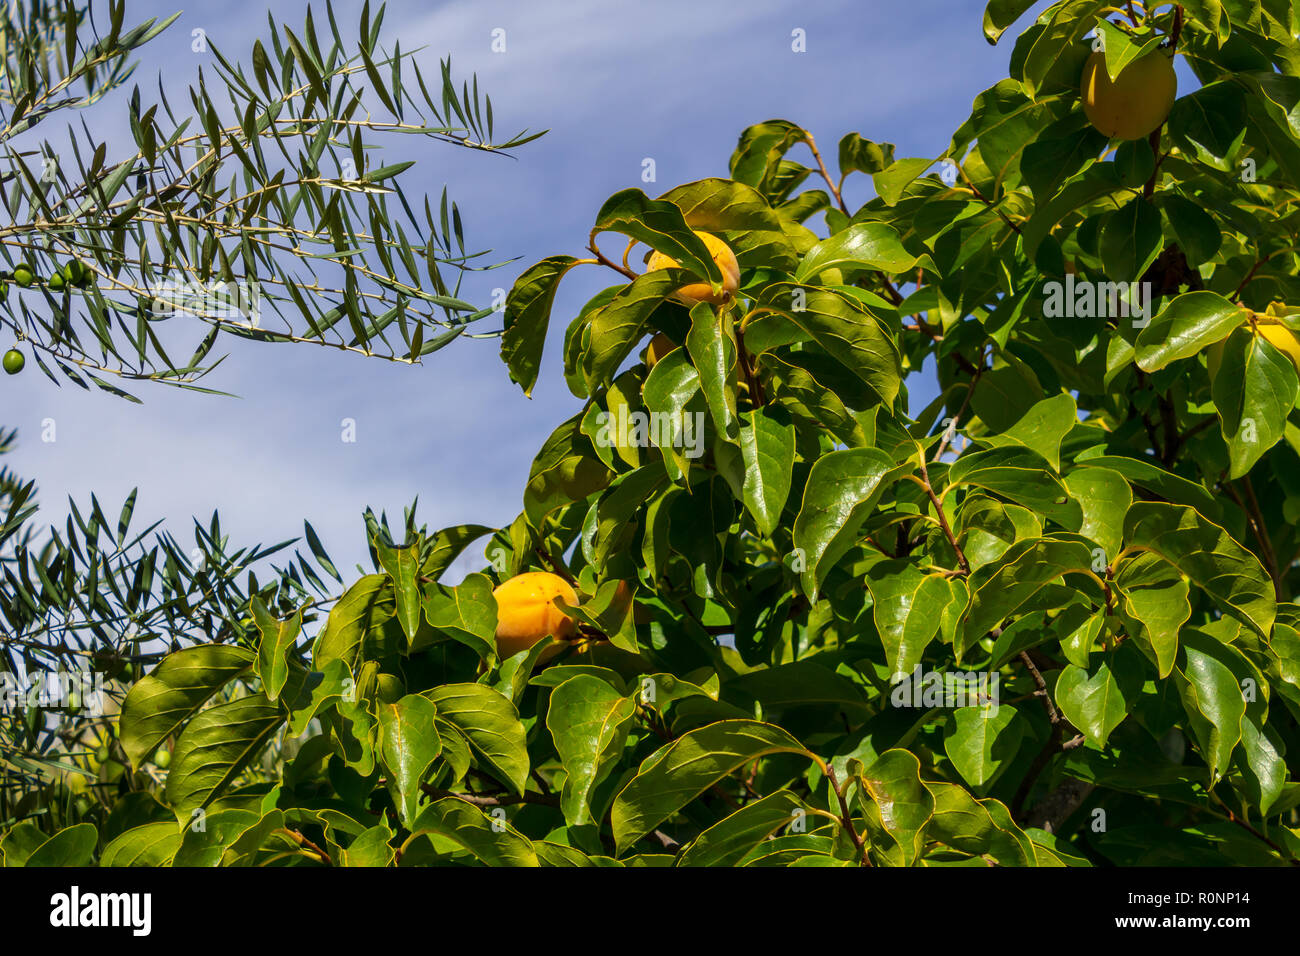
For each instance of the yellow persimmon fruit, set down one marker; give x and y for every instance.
(526, 612)
(1281, 338)
(697, 292)
(659, 346)
(1137, 102)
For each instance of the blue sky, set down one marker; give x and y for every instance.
(615, 81)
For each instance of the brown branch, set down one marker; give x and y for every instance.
(1041, 684)
(1055, 808)
(1256, 521)
(970, 392)
(756, 393)
(846, 817)
(606, 261)
(495, 800)
(835, 190)
(1250, 829)
(924, 482)
(297, 837)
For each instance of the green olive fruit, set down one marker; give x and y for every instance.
(75, 272)
(23, 274)
(14, 361)
(56, 282)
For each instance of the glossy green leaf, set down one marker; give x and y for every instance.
(408, 745)
(680, 771)
(842, 491)
(491, 724)
(1208, 556)
(162, 701)
(982, 741)
(589, 721)
(527, 317)
(728, 840)
(1190, 323)
(215, 746)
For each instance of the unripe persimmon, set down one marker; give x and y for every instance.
(1137, 102)
(696, 292)
(526, 612)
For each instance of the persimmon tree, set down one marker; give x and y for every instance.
(1047, 620)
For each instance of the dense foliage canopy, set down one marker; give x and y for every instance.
(1047, 620)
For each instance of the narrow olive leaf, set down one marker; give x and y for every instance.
(866, 245)
(965, 824)
(159, 703)
(661, 225)
(408, 745)
(1097, 700)
(680, 771)
(366, 606)
(728, 840)
(713, 353)
(982, 741)
(490, 840)
(153, 845)
(1189, 324)
(1231, 575)
(905, 806)
(490, 723)
(71, 846)
(842, 490)
(403, 567)
(1254, 390)
(527, 318)
(277, 642)
(588, 720)
(214, 748)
